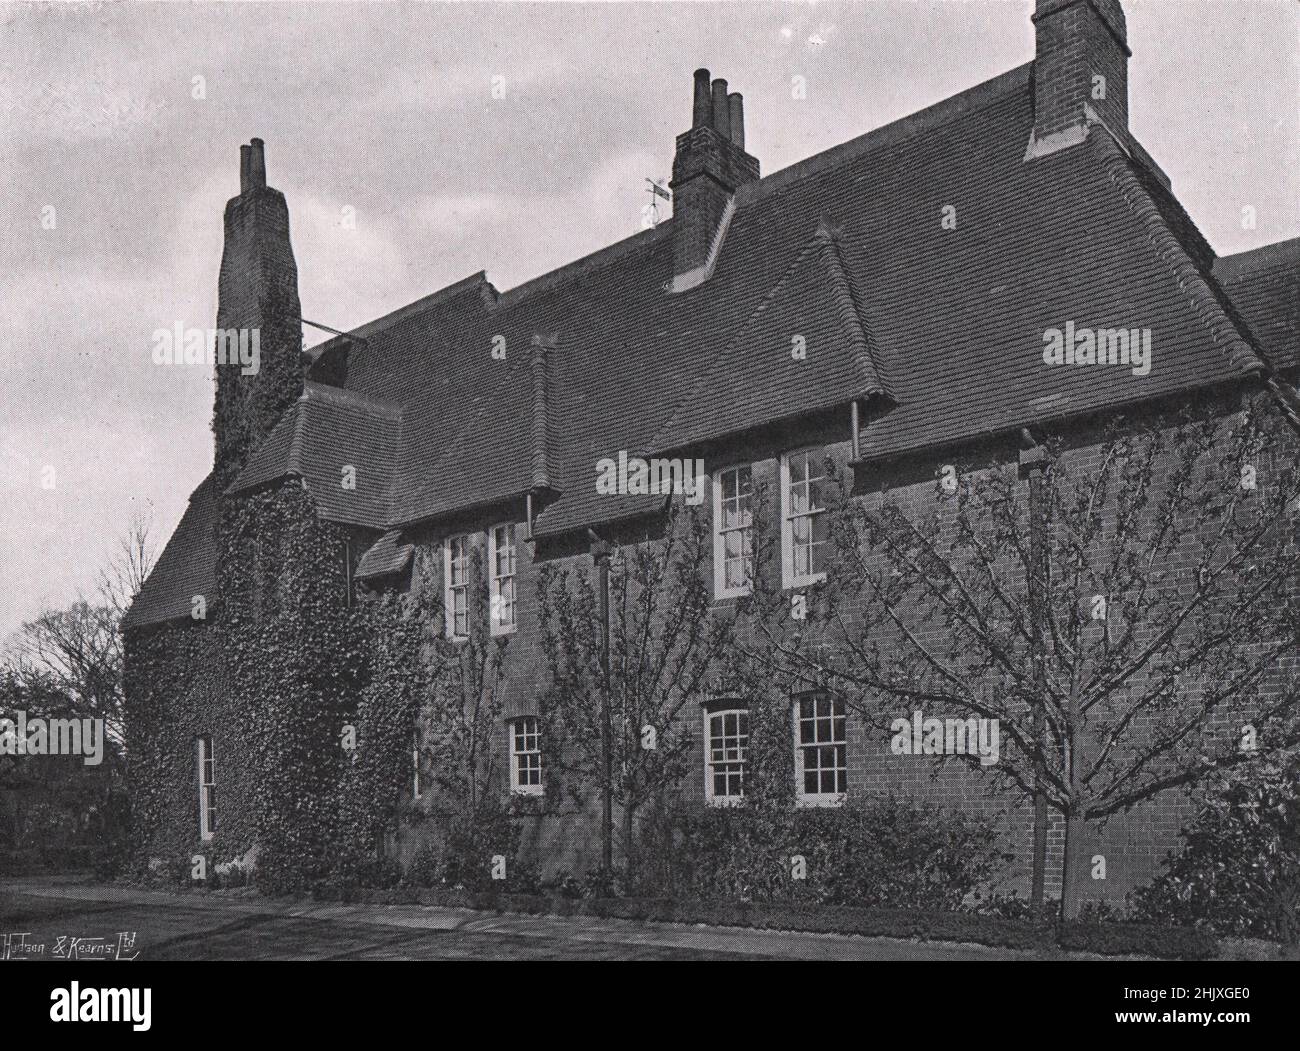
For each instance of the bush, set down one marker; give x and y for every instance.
(565, 885)
(464, 855)
(1013, 907)
(423, 869)
(1239, 871)
(41, 861)
(888, 853)
(1096, 912)
(1115, 939)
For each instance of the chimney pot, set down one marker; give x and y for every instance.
(721, 110)
(702, 113)
(736, 107)
(244, 152)
(256, 166)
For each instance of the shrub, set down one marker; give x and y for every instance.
(888, 852)
(1102, 912)
(422, 871)
(1239, 870)
(464, 852)
(1113, 939)
(1013, 907)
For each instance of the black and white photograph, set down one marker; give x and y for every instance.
(787, 483)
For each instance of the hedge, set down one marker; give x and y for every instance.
(1118, 939)
(38, 861)
(909, 924)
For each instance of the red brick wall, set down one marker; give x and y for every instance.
(1133, 844)
(1076, 40)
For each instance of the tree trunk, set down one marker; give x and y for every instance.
(606, 722)
(629, 835)
(1038, 877)
(1073, 867)
(1038, 616)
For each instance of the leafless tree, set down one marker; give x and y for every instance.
(75, 653)
(1164, 646)
(665, 642)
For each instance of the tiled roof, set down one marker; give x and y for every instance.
(1265, 286)
(804, 347)
(186, 567)
(343, 443)
(940, 327)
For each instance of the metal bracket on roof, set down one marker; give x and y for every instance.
(1033, 453)
(335, 331)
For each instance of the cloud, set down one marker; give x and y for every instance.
(76, 110)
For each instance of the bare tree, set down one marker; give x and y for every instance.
(76, 652)
(461, 716)
(665, 640)
(1169, 613)
(129, 565)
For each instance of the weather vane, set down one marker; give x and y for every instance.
(656, 190)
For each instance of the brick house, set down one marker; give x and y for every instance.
(916, 266)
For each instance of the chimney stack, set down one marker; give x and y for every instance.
(721, 109)
(257, 301)
(736, 104)
(702, 115)
(256, 165)
(1080, 70)
(710, 165)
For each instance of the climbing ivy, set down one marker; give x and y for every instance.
(309, 700)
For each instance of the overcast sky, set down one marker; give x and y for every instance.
(389, 111)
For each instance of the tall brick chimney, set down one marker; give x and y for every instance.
(1080, 69)
(709, 166)
(257, 300)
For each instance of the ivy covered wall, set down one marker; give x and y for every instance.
(307, 698)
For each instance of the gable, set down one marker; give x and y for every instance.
(186, 567)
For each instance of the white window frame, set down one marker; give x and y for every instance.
(710, 794)
(720, 589)
(818, 798)
(497, 604)
(207, 787)
(450, 590)
(789, 578)
(519, 732)
(415, 764)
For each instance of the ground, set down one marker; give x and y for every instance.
(199, 926)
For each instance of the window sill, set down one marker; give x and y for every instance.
(802, 582)
(724, 801)
(831, 799)
(501, 632)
